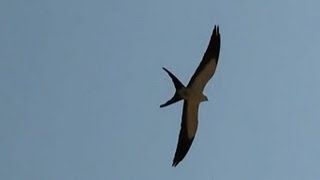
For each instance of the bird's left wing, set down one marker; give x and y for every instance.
(208, 63)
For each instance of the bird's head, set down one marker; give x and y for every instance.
(205, 98)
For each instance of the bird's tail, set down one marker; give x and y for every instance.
(178, 85)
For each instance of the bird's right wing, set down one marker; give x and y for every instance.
(188, 130)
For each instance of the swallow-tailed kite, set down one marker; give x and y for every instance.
(193, 95)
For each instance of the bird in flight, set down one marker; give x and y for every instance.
(193, 95)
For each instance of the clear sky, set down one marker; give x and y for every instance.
(81, 84)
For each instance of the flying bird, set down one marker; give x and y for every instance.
(192, 95)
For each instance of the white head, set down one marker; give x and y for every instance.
(204, 98)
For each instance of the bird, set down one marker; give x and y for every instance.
(192, 95)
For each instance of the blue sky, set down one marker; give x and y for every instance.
(81, 84)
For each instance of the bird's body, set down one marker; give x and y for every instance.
(193, 95)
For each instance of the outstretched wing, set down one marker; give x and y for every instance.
(208, 64)
(188, 130)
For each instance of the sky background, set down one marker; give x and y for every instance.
(81, 84)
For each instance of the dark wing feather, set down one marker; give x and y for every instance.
(208, 64)
(178, 85)
(188, 130)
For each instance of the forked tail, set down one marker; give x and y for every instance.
(178, 85)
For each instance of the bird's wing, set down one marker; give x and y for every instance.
(208, 63)
(188, 130)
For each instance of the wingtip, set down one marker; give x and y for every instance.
(175, 163)
(216, 30)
